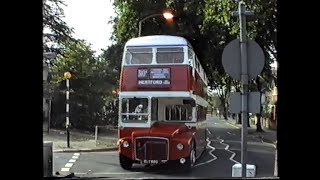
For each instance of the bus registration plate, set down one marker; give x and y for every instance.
(150, 161)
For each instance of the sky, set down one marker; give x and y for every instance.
(89, 18)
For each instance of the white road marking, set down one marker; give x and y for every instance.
(65, 169)
(227, 149)
(260, 138)
(208, 131)
(271, 144)
(69, 165)
(212, 149)
(232, 125)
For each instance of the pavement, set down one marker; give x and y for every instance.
(223, 151)
(82, 141)
(269, 136)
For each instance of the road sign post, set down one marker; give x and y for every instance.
(243, 60)
(244, 86)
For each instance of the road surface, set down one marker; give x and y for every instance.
(223, 151)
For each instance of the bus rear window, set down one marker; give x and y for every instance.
(170, 55)
(139, 56)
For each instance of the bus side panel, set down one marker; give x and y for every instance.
(200, 135)
(198, 86)
(191, 79)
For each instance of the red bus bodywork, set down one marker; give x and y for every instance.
(181, 80)
(159, 141)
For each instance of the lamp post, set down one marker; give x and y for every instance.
(67, 76)
(166, 15)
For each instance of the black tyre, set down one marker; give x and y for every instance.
(125, 162)
(190, 160)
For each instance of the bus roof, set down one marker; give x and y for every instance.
(157, 40)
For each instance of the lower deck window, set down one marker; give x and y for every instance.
(134, 110)
(178, 112)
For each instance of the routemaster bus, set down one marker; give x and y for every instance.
(162, 103)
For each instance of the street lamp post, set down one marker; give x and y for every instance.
(67, 76)
(166, 15)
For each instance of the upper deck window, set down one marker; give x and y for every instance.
(170, 55)
(139, 56)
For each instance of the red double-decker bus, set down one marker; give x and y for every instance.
(162, 103)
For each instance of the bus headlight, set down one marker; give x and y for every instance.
(125, 144)
(180, 146)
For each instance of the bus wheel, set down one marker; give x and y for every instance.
(190, 160)
(125, 162)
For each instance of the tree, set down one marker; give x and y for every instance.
(58, 32)
(223, 88)
(262, 30)
(91, 84)
(263, 83)
(113, 56)
(207, 25)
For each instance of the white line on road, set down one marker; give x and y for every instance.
(232, 125)
(208, 131)
(69, 165)
(212, 149)
(227, 149)
(65, 169)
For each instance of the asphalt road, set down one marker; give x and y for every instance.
(223, 151)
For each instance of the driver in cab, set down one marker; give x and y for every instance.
(139, 109)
